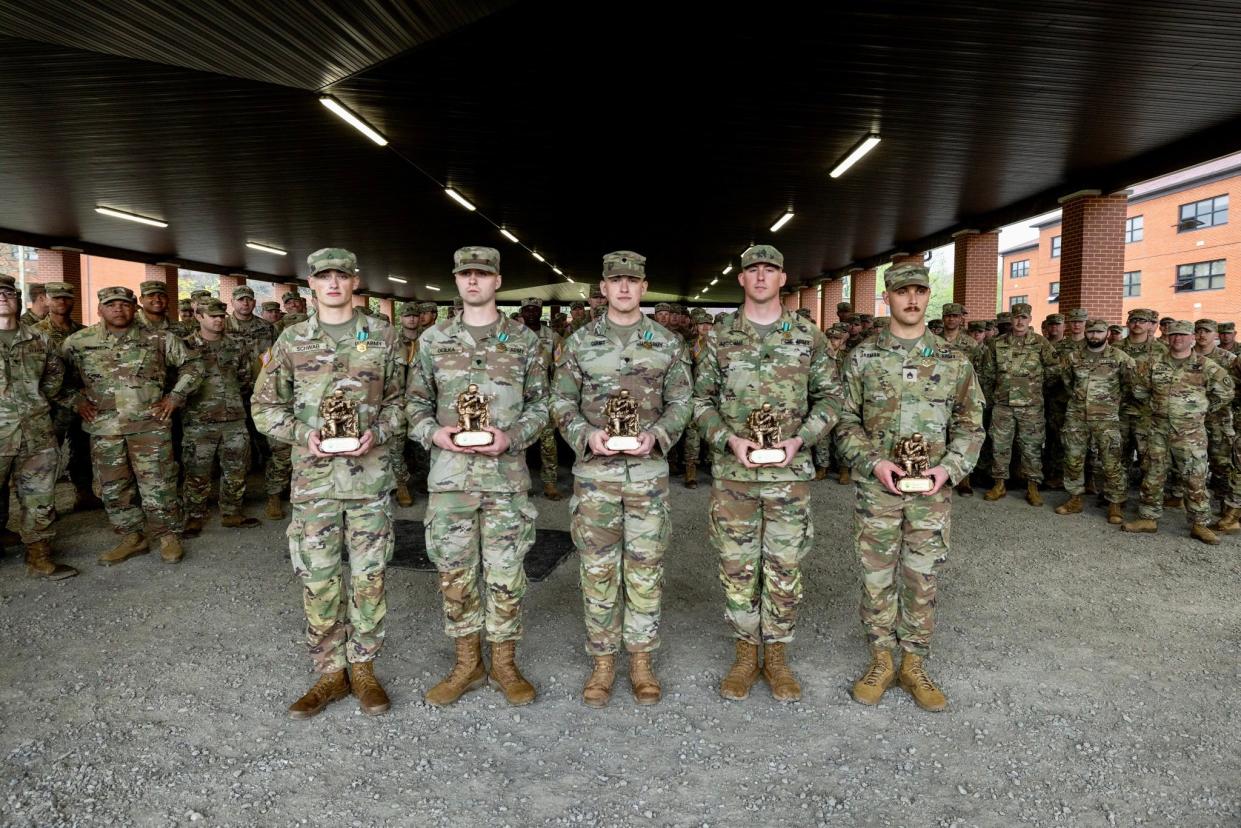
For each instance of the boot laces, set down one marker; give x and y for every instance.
(874, 674)
(921, 678)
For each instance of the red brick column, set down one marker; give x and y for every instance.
(790, 301)
(387, 306)
(61, 264)
(904, 258)
(862, 294)
(976, 271)
(808, 297)
(227, 283)
(166, 273)
(833, 294)
(1092, 253)
(360, 301)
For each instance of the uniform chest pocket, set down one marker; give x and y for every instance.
(32, 361)
(308, 363)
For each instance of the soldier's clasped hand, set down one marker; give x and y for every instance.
(442, 438)
(598, 443)
(791, 446)
(887, 473)
(164, 408)
(741, 449)
(365, 443)
(497, 447)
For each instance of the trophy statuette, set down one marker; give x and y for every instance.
(621, 411)
(914, 459)
(764, 429)
(339, 432)
(472, 419)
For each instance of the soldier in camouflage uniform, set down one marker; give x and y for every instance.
(1135, 414)
(1219, 423)
(478, 509)
(33, 374)
(213, 424)
(692, 440)
(837, 335)
(577, 316)
(341, 502)
(1230, 517)
(271, 312)
(278, 475)
(620, 515)
(955, 334)
(978, 332)
(760, 515)
(153, 310)
(1183, 389)
(902, 382)
(1056, 402)
(1228, 338)
(1012, 372)
(58, 326)
(549, 341)
(36, 305)
(411, 328)
(1097, 378)
(118, 370)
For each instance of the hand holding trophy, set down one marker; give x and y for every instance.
(621, 411)
(340, 432)
(764, 427)
(473, 419)
(914, 459)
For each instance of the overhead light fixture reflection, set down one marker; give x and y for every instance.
(570, 278)
(727, 270)
(557, 271)
(121, 214)
(716, 279)
(431, 287)
(537, 256)
(354, 121)
(266, 248)
(506, 234)
(460, 199)
(398, 280)
(783, 220)
(854, 155)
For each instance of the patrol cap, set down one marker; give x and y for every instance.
(953, 309)
(428, 307)
(882, 321)
(1021, 309)
(843, 307)
(60, 290)
(184, 304)
(1206, 325)
(1227, 327)
(678, 309)
(8, 281)
(1167, 320)
(762, 254)
(213, 307)
(1143, 315)
(936, 324)
(663, 307)
(804, 313)
(699, 315)
(907, 274)
(532, 302)
(976, 326)
(290, 296)
(1181, 326)
(153, 286)
(866, 317)
(624, 263)
(577, 305)
(243, 292)
(990, 324)
(271, 305)
(1115, 329)
(486, 259)
(410, 309)
(1055, 319)
(332, 258)
(837, 331)
(595, 292)
(116, 293)
(1096, 326)
(200, 294)
(35, 290)
(1078, 315)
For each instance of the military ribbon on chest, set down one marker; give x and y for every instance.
(503, 338)
(362, 336)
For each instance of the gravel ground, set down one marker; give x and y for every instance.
(1092, 678)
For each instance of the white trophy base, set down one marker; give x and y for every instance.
(338, 445)
(622, 444)
(915, 485)
(767, 456)
(472, 439)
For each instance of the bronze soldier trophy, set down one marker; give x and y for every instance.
(621, 412)
(764, 429)
(473, 419)
(339, 432)
(913, 457)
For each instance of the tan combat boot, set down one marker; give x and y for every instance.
(918, 684)
(1033, 496)
(691, 475)
(965, 488)
(193, 527)
(820, 473)
(466, 674)
(371, 696)
(845, 477)
(598, 690)
(1116, 513)
(1140, 525)
(778, 675)
(646, 689)
(275, 509)
(39, 562)
(1199, 531)
(1229, 521)
(1072, 506)
(238, 522)
(403, 497)
(135, 543)
(744, 672)
(1171, 502)
(995, 492)
(170, 550)
(329, 688)
(551, 492)
(517, 691)
(878, 677)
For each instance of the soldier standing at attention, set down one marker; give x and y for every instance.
(258, 335)
(696, 343)
(214, 421)
(36, 304)
(341, 502)
(760, 515)
(58, 326)
(271, 312)
(1228, 338)
(278, 475)
(411, 329)
(478, 508)
(836, 336)
(620, 517)
(955, 334)
(153, 311)
(1012, 371)
(1219, 423)
(902, 382)
(531, 315)
(119, 369)
(1230, 517)
(1183, 388)
(577, 316)
(1134, 413)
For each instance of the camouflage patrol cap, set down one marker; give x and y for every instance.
(843, 307)
(458, 303)
(213, 308)
(410, 309)
(990, 324)
(332, 258)
(1143, 315)
(185, 304)
(953, 309)
(936, 325)
(882, 321)
(486, 259)
(678, 309)
(865, 317)
(428, 307)
(1181, 326)
(1206, 325)
(906, 274)
(290, 296)
(1055, 319)
(116, 293)
(762, 254)
(1003, 316)
(1021, 309)
(804, 313)
(271, 306)
(624, 263)
(153, 286)
(243, 292)
(663, 307)
(8, 281)
(1078, 315)
(60, 290)
(699, 315)
(1115, 329)
(837, 331)
(1096, 326)
(532, 302)
(200, 294)
(35, 290)
(1167, 320)
(1227, 327)
(977, 326)
(577, 305)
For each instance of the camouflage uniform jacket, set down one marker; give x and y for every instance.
(125, 375)
(510, 372)
(1220, 357)
(1139, 351)
(1182, 390)
(228, 367)
(290, 319)
(33, 374)
(1096, 382)
(258, 335)
(892, 391)
(1013, 370)
(54, 333)
(592, 366)
(306, 365)
(549, 342)
(791, 368)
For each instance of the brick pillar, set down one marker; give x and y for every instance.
(360, 301)
(789, 301)
(227, 283)
(863, 290)
(976, 271)
(904, 258)
(1092, 253)
(833, 294)
(387, 306)
(62, 264)
(808, 297)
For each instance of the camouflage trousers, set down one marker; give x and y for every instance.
(201, 443)
(1220, 436)
(761, 531)
(396, 457)
(279, 472)
(1179, 447)
(621, 530)
(1134, 433)
(693, 445)
(1232, 493)
(547, 456)
(1104, 438)
(495, 529)
(1054, 448)
(132, 464)
(1024, 425)
(900, 540)
(342, 627)
(33, 473)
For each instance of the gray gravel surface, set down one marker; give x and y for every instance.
(1092, 677)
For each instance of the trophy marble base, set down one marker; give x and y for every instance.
(473, 439)
(915, 485)
(622, 444)
(767, 456)
(339, 445)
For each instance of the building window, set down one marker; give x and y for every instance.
(1209, 212)
(1018, 300)
(1018, 270)
(1200, 276)
(1133, 229)
(1054, 293)
(1133, 283)
(1055, 247)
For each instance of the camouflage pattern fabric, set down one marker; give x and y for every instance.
(29, 319)
(1096, 384)
(1013, 371)
(129, 465)
(1135, 414)
(549, 343)
(1232, 491)
(1220, 429)
(201, 444)
(33, 373)
(278, 476)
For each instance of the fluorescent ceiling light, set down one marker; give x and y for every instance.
(570, 278)
(460, 199)
(716, 279)
(397, 279)
(506, 234)
(727, 270)
(431, 287)
(121, 214)
(537, 256)
(783, 220)
(353, 120)
(860, 149)
(557, 271)
(266, 248)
